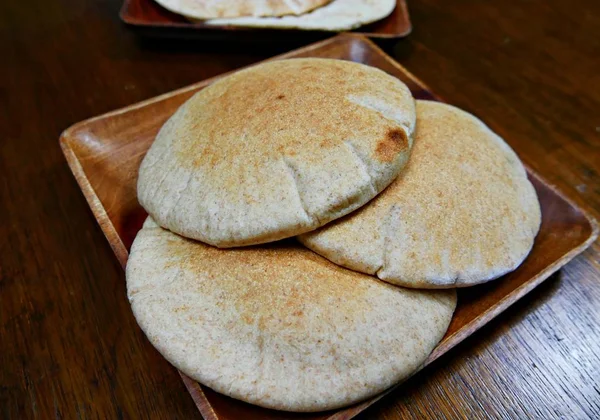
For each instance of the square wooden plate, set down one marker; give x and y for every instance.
(104, 154)
(152, 19)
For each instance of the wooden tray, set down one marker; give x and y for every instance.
(150, 18)
(104, 154)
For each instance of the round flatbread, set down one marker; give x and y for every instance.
(279, 326)
(277, 150)
(463, 211)
(339, 15)
(208, 9)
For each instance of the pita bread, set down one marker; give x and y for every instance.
(279, 326)
(277, 150)
(339, 15)
(207, 9)
(463, 212)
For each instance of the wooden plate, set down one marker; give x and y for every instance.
(104, 154)
(150, 18)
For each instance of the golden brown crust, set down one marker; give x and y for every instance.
(277, 150)
(461, 213)
(393, 143)
(278, 325)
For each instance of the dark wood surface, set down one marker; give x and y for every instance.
(69, 346)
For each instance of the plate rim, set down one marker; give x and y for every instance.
(449, 343)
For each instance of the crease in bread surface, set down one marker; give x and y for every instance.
(294, 177)
(467, 211)
(218, 171)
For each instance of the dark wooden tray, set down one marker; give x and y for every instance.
(152, 19)
(104, 154)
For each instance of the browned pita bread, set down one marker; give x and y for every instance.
(279, 326)
(462, 212)
(277, 150)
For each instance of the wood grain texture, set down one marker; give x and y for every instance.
(67, 346)
(105, 152)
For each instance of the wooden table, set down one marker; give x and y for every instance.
(69, 345)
